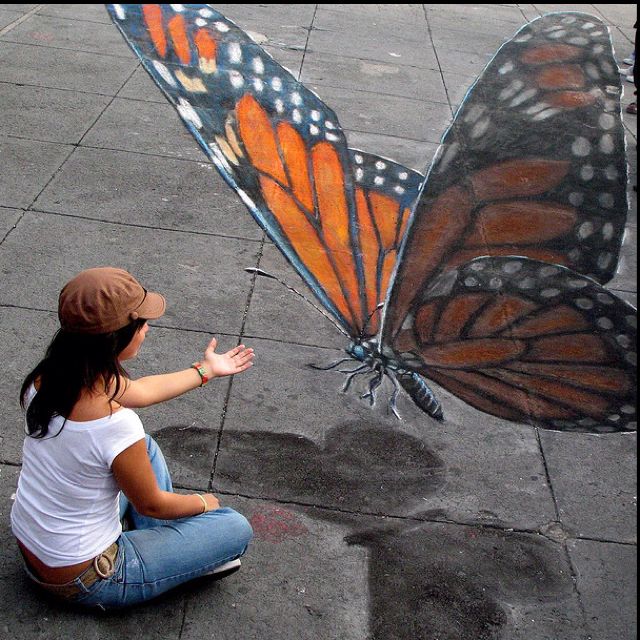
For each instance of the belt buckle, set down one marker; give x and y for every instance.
(111, 567)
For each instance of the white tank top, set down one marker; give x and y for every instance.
(66, 509)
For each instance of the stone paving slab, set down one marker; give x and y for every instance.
(410, 153)
(475, 15)
(607, 582)
(446, 36)
(285, 28)
(144, 127)
(356, 36)
(276, 429)
(301, 579)
(148, 190)
(27, 168)
(166, 261)
(279, 314)
(359, 44)
(86, 12)
(78, 70)
(595, 484)
(8, 219)
(464, 63)
(67, 33)
(377, 14)
(377, 77)
(370, 113)
(25, 336)
(8, 16)
(49, 114)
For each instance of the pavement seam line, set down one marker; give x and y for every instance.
(20, 20)
(138, 226)
(225, 405)
(45, 46)
(193, 330)
(435, 52)
(416, 518)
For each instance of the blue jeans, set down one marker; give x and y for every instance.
(157, 555)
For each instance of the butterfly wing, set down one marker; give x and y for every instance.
(281, 148)
(385, 194)
(530, 342)
(533, 164)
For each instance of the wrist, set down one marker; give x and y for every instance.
(203, 371)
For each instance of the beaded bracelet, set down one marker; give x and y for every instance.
(204, 378)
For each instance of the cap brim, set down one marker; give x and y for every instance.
(152, 307)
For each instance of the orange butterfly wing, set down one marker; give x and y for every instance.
(337, 215)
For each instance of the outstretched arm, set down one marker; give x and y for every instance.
(154, 389)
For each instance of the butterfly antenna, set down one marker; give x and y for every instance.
(264, 274)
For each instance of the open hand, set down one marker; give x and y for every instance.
(229, 363)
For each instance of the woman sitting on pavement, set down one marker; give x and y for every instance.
(87, 462)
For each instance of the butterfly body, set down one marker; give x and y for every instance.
(486, 276)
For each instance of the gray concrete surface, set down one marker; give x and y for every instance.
(366, 528)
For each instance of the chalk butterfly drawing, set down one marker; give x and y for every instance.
(486, 276)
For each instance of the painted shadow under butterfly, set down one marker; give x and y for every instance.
(427, 580)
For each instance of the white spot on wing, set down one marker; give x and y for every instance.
(480, 128)
(450, 153)
(549, 113)
(188, 113)
(121, 14)
(235, 53)
(236, 79)
(581, 147)
(164, 73)
(606, 144)
(511, 90)
(586, 229)
(523, 97)
(606, 200)
(258, 65)
(587, 172)
(475, 112)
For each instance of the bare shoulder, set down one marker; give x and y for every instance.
(93, 406)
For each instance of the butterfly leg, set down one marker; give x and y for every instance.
(333, 365)
(354, 373)
(396, 392)
(373, 385)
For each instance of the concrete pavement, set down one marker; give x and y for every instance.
(365, 527)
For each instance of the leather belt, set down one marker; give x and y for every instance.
(102, 568)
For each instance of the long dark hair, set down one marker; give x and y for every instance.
(73, 362)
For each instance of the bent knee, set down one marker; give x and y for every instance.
(245, 530)
(236, 525)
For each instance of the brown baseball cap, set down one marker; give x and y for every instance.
(106, 299)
